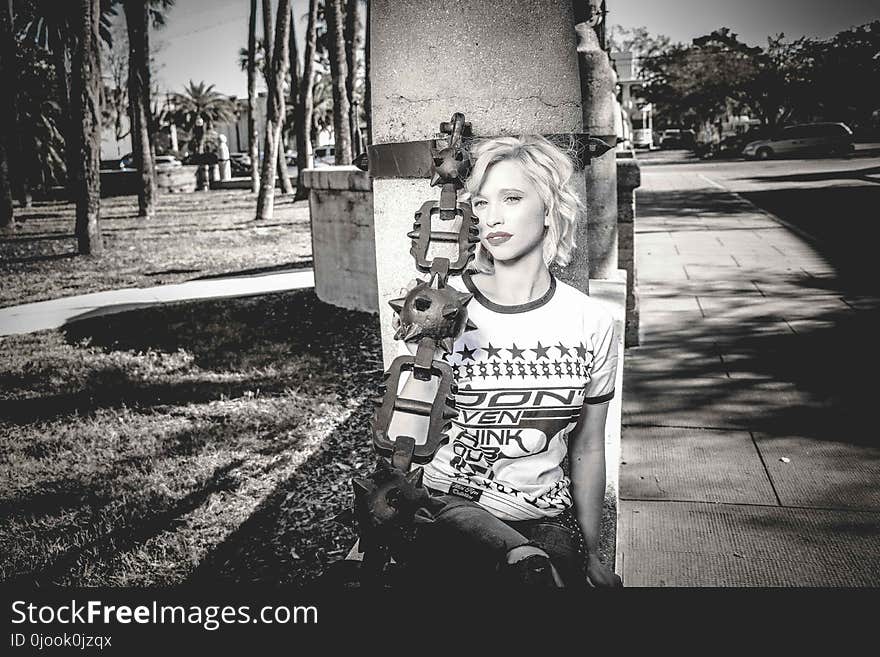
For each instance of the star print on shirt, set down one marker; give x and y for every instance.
(581, 349)
(467, 354)
(516, 353)
(563, 350)
(541, 352)
(492, 351)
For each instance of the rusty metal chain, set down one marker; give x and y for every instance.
(432, 314)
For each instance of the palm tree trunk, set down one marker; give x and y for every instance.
(368, 95)
(274, 112)
(87, 110)
(286, 185)
(61, 56)
(253, 137)
(304, 107)
(7, 116)
(137, 20)
(350, 35)
(338, 73)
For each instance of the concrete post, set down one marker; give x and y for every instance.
(513, 67)
(344, 255)
(598, 79)
(510, 65)
(629, 177)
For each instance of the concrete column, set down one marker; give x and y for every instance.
(629, 177)
(343, 250)
(598, 81)
(510, 65)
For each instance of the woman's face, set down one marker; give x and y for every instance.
(511, 212)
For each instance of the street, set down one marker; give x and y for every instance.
(749, 452)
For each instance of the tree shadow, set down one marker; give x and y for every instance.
(844, 225)
(292, 535)
(822, 176)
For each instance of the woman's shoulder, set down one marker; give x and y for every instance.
(594, 308)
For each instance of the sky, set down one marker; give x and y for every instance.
(202, 37)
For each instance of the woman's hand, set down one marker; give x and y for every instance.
(395, 319)
(600, 576)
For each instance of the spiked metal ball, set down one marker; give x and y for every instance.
(434, 311)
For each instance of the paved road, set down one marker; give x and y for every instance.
(750, 453)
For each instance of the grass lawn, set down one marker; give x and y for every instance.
(193, 235)
(208, 441)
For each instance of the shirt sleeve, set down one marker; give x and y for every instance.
(603, 368)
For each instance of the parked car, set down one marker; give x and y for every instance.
(642, 138)
(803, 139)
(167, 162)
(324, 156)
(676, 138)
(240, 164)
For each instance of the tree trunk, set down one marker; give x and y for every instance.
(338, 72)
(286, 185)
(253, 137)
(87, 113)
(267, 41)
(368, 95)
(61, 56)
(350, 35)
(306, 97)
(274, 112)
(7, 116)
(137, 19)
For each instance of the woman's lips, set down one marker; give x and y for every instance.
(498, 238)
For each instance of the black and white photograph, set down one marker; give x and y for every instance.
(361, 296)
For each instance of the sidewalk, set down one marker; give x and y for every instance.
(58, 312)
(749, 453)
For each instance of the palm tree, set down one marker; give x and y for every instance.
(274, 111)
(137, 14)
(7, 114)
(52, 25)
(338, 74)
(304, 108)
(200, 101)
(86, 96)
(281, 160)
(251, 65)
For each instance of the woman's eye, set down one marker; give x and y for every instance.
(479, 204)
(513, 199)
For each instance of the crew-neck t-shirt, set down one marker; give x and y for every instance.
(524, 375)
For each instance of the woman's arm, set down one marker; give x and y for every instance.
(586, 453)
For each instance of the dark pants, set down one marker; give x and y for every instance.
(465, 543)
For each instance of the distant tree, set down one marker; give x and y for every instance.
(200, 101)
(637, 40)
(251, 65)
(86, 97)
(338, 75)
(692, 84)
(280, 56)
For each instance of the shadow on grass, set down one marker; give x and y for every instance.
(821, 176)
(139, 525)
(269, 342)
(291, 536)
(41, 258)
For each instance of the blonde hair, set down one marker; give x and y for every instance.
(551, 171)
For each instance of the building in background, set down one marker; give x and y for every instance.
(637, 113)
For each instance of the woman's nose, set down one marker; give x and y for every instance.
(492, 217)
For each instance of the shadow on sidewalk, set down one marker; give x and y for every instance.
(844, 223)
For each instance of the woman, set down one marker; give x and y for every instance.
(535, 379)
